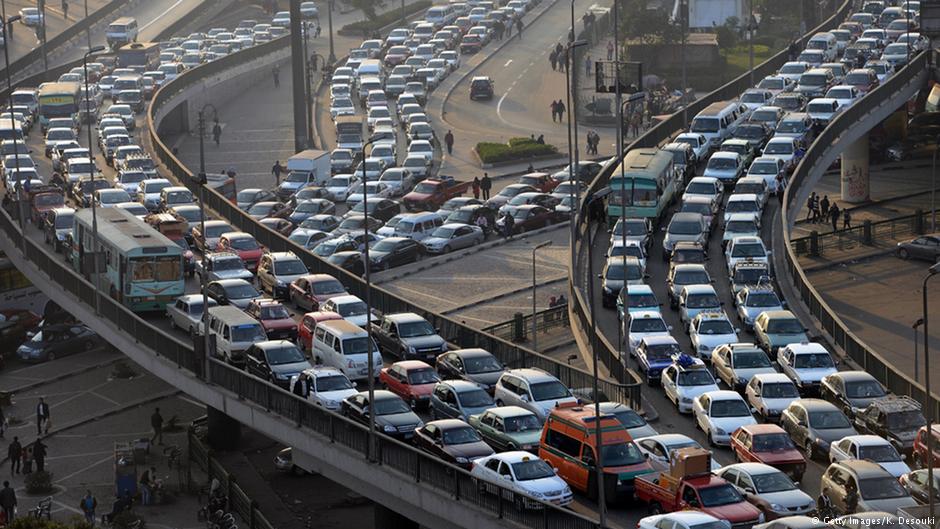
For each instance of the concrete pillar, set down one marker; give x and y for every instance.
(855, 176)
(386, 518)
(224, 431)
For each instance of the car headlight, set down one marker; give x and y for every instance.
(412, 350)
(719, 431)
(776, 507)
(462, 460)
(761, 518)
(533, 493)
(281, 283)
(823, 444)
(282, 376)
(390, 429)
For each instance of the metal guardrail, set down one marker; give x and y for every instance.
(609, 353)
(544, 320)
(866, 234)
(829, 320)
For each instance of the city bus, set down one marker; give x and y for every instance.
(58, 100)
(142, 268)
(16, 291)
(647, 179)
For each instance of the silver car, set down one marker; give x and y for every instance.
(768, 489)
(453, 236)
(186, 312)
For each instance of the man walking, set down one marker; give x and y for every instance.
(449, 142)
(834, 216)
(88, 504)
(519, 27)
(65, 9)
(42, 416)
(485, 185)
(610, 50)
(276, 171)
(509, 225)
(156, 422)
(276, 72)
(15, 453)
(824, 209)
(561, 111)
(216, 133)
(39, 454)
(554, 106)
(846, 219)
(587, 65)
(809, 206)
(553, 58)
(8, 502)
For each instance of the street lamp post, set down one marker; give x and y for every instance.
(933, 187)
(87, 28)
(91, 155)
(599, 463)
(535, 336)
(329, 20)
(203, 277)
(918, 323)
(572, 137)
(16, 159)
(684, 16)
(750, 41)
(308, 103)
(368, 267)
(42, 35)
(932, 271)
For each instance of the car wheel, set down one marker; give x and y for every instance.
(655, 509)
(810, 451)
(50, 356)
(499, 402)
(904, 254)
(447, 249)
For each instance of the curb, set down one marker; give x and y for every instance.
(502, 295)
(62, 376)
(560, 155)
(848, 260)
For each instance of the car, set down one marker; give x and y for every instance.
(342, 106)
(725, 166)
(916, 484)
(754, 133)
(719, 414)
(698, 142)
(636, 298)
(394, 251)
(853, 391)
(412, 380)
(277, 361)
(926, 247)
(640, 325)
(351, 308)
(242, 244)
(815, 424)
(740, 225)
(275, 319)
(807, 364)
(453, 441)
(858, 486)
(508, 428)
(707, 207)
(769, 489)
(262, 210)
(696, 299)
(532, 389)
(686, 379)
(685, 227)
(709, 330)
(823, 110)
(222, 265)
(864, 79)
(870, 447)
(633, 229)
(743, 203)
(391, 414)
(896, 418)
(659, 448)
(309, 291)
(745, 249)
(459, 399)
(237, 292)
(481, 87)
(214, 229)
(793, 70)
(770, 169)
(58, 340)
(309, 10)
(632, 421)
(752, 301)
(784, 147)
(324, 386)
(619, 271)
(474, 365)
(844, 95)
(776, 84)
(451, 236)
(529, 479)
(768, 444)
(747, 273)
(770, 394)
(682, 275)
(654, 354)
(736, 363)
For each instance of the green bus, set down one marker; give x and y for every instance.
(647, 180)
(143, 269)
(58, 100)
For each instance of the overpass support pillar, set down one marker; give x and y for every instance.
(386, 518)
(855, 176)
(224, 431)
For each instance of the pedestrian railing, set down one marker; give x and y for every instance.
(868, 233)
(520, 328)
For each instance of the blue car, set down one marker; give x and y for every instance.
(655, 353)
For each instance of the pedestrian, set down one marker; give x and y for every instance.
(561, 111)
(39, 454)
(15, 453)
(824, 208)
(563, 61)
(276, 171)
(121, 504)
(635, 122)
(816, 209)
(540, 140)
(449, 141)
(485, 185)
(3, 419)
(483, 224)
(499, 28)
(509, 225)
(834, 216)
(587, 65)
(846, 219)
(8, 502)
(146, 490)
(65, 9)
(276, 72)
(88, 504)
(809, 206)
(316, 31)
(553, 59)
(781, 185)
(793, 50)
(590, 142)
(476, 187)
(42, 416)
(558, 48)
(216, 133)
(554, 106)
(156, 422)
(519, 27)
(230, 172)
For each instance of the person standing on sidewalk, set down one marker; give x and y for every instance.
(834, 216)
(485, 185)
(42, 416)
(156, 422)
(824, 209)
(276, 171)
(587, 65)
(8, 502)
(610, 50)
(809, 206)
(476, 187)
(449, 142)
(553, 59)
(15, 453)
(846, 219)
(519, 28)
(216, 133)
(39, 454)
(88, 505)
(65, 9)
(561, 111)
(276, 72)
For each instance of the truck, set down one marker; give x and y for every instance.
(306, 168)
(176, 228)
(146, 54)
(350, 131)
(409, 337)
(689, 484)
(42, 199)
(430, 194)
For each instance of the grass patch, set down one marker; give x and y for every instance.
(737, 59)
(366, 27)
(514, 150)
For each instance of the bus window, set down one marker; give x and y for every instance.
(142, 269)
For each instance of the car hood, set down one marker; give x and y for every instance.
(734, 513)
(398, 419)
(523, 439)
(551, 484)
(359, 320)
(813, 375)
(469, 450)
(791, 499)
(714, 340)
(422, 342)
(690, 392)
(232, 274)
(861, 403)
(781, 457)
(720, 173)
(746, 374)
(487, 379)
(786, 339)
(338, 395)
(886, 505)
(641, 431)
(283, 323)
(831, 435)
(435, 241)
(730, 424)
(291, 369)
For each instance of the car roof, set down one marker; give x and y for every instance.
(670, 438)
(868, 440)
(864, 468)
(854, 376)
(774, 314)
(462, 385)
(529, 373)
(509, 411)
(404, 317)
(711, 314)
(659, 340)
(688, 267)
(408, 365)
(726, 154)
(764, 428)
(724, 394)
(698, 289)
(743, 197)
(816, 405)
(516, 456)
(753, 468)
(806, 348)
(639, 289)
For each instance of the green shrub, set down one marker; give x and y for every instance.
(515, 149)
(364, 27)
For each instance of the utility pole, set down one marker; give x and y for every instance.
(42, 34)
(684, 26)
(297, 55)
(329, 19)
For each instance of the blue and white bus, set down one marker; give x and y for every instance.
(647, 180)
(143, 270)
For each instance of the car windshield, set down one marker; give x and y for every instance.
(662, 351)
(773, 442)
(333, 383)
(694, 277)
(414, 329)
(702, 301)
(244, 243)
(532, 469)
(216, 230)
(820, 108)
(385, 246)
(274, 312)
(813, 361)
(741, 206)
(522, 423)
(701, 188)
(308, 207)
(751, 132)
(762, 116)
(696, 207)
(885, 453)
(290, 267)
(63, 221)
(285, 355)
(722, 164)
(461, 436)
(356, 346)
(475, 398)
(766, 299)
(864, 389)
(749, 275)
(482, 364)
(355, 308)
(241, 291)
(748, 250)
(741, 226)
(729, 408)
(648, 325)
(391, 406)
(422, 376)
(720, 495)
(683, 227)
(550, 390)
(715, 327)
(905, 420)
(813, 80)
(248, 333)
(792, 68)
(881, 488)
(617, 272)
(629, 418)
(227, 263)
(696, 377)
(753, 97)
(621, 454)
(641, 300)
(772, 482)
(751, 360)
(828, 420)
(857, 79)
(779, 390)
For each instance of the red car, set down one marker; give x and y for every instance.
(412, 380)
(274, 317)
(309, 291)
(920, 446)
(244, 245)
(396, 55)
(865, 79)
(768, 444)
(540, 181)
(308, 323)
(26, 319)
(528, 217)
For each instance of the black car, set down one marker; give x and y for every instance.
(471, 215)
(756, 134)
(352, 261)
(481, 88)
(475, 365)
(393, 416)
(53, 341)
(393, 251)
(379, 208)
(852, 391)
(237, 292)
(895, 418)
(276, 361)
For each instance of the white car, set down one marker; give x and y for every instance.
(740, 225)
(737, 363)
(644, 324)
(351, 308)
(696, 299)
(805, 364)
(698, 142)
(418, 165)
(659, 448)
(683, 520)
(754, 98)
(776, 84)
(452, 58)
(324, 386)
(186, 312)
(705, 186)
(767, 168)
(423, 148)
(342, 106)
(783, 148)
(309, 10)
(106, 198)
(709, 330)
(753, 300)
(522, 473)
(871, 447)
(748, 203)
(823, 109)
(720, 413)
(770, 394)
(793, 70)
(746, 249)
(282, 19)
(844, 94)
(769, 489)
(148, 192)
(685, 380)
(338, 186)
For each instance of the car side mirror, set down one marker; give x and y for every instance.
(600, 276)
(753, 411)
(524, 398)
(668, 327)
(737, 330)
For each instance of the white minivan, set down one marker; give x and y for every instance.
(718, 121)
(345, 346)
(825, 42)
(418, 226)
(231, 332)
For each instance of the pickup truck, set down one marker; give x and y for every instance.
(409, 337)
(43, 199)
(703, 492)
(430, 194)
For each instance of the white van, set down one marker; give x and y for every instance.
(418, 226)
(231, 332)
(370, 68)
(441, 16)
(825, 42)
(122, 31)
(718, 121)
(345, 346)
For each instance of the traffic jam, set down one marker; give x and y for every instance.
(785, 404)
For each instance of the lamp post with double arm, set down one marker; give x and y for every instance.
(932, 271)
(203, 277)
(16, 151)
(368, 267)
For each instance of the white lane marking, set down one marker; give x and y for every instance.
(161, 15)
(110, 457)
(507, 63)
